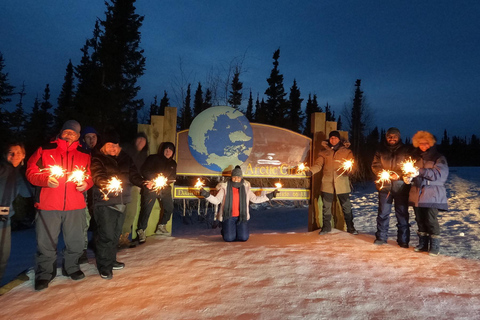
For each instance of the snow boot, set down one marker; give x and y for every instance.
(423, 240)
(434, 245)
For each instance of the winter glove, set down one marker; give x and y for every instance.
(272, 195)
(407, 180)
(308, 173)
(204, 193)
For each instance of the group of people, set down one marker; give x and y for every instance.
(66, 205)
(423, 189)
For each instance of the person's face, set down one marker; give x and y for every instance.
(69, 135)
(168, 153)
(423, 145)
(111, 149)
(392, 139)
(334, 140)
(91, 140)
(236, 179)
(140, 143)
(15, 155)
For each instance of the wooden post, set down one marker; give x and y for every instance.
(315, 208)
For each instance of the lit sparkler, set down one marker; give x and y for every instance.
(78, 176)
(159, 183)
(384, 177)
(302, 168)
(278, 185)
(114, 186)
(346, 165)
(55, 171)
(408, 167)
(199, 183)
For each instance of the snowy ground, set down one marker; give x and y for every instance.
(282, 272)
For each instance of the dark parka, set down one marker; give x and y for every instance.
(158, 163)
(330, 161)
(104, 167)
(390, 158)
(428, 189)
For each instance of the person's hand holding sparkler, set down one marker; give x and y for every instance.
(54, 172)
(346, 166)
(385, 176)
(78, 177)
(52, 182)
(114, 186)
(409, 169)
(199, 183)
(159, 183)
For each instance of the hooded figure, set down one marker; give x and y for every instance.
(162, 163)
(234, 197)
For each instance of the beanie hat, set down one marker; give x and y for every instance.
(394, 131)
(71, 125)
(110, 136)
(237, 172)
(334, 134)
(88, 130)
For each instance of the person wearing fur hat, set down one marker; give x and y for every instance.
(60, 204)
(111, 161)
(428, 194)
(234, 197)
(160, 163)
(389, 157)
(334, 183)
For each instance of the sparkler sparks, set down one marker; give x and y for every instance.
(78, 176)
(384, 177)
(302, 168)
(278, 185)
(159, 183)
(408, 167)
(114, 186)
(199, 183)
(346, 165)
(55, 171)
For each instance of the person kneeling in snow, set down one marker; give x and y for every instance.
(234, 197)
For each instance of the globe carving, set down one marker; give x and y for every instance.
(220, 138)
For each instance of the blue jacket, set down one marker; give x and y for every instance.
(428, 189)
(13, 181)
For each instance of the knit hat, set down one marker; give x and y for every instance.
(237, 172)
(110, 136)
(334, 134)
(88, 130)
(394, 131)
(71, 125)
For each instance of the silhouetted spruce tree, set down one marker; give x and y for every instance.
(207, 102)
(165, 102)
(186, 115)
(311, 107)
(249, 113)
(329, 114)
(339, 123)
(154, 108)
(39, 127)
(198, 101)
(6, 91)
(276, 106)
(295, 113)
(261, 111)
(357, 138)
(235, 97)
(65, 109)
(18, 118)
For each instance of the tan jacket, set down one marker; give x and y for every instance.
(330, 161)
(220, 198)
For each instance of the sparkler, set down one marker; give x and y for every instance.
(159, 183)
(199, 183)
(114, 186)
(78, 176)
(408, 167)
(302, 168)
(384, 177)
(278, 185)
(54, 170)
(346, 165)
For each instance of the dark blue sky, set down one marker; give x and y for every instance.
(419, 61)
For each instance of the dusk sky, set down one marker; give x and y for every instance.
(419, 61)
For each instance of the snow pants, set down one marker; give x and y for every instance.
(427, 220)
(148, 201)
(385, 201)
(109, 228)
(48, 224)
(344, 200)
(233, 231)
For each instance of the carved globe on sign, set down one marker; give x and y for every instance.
(220, 138)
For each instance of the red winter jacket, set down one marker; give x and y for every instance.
(65, 197)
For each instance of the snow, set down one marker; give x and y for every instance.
(281, 273)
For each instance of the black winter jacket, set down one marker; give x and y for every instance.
(158, 163)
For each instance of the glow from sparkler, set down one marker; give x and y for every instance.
(114, 186)
(159, 183)
(77, 176)
(278, 185)
(199, 183)
(56, 171)
(346, 165)
(384, 177)
(301, 168)
(408, 167)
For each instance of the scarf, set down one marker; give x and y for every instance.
(227, 207)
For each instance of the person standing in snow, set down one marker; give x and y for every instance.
(12, 183)
(335, 182)
(234, 197)
(155, 164)
(109, 162)
(428, 194)
(389, 157)
(60, 204)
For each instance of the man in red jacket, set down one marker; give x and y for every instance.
(60, 203)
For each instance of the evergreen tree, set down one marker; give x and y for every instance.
(329, 115)
(261, 111)
(249, 113)
(235, 98)
(311, 107)
(17, 118)
(207, 102)
(154, 108)
(296, 116)
(198, 101)
(6, 90)
(65, 109)
(339, 123)
(186, 114)
(165, 102)
(357, 125)
(276, 106)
